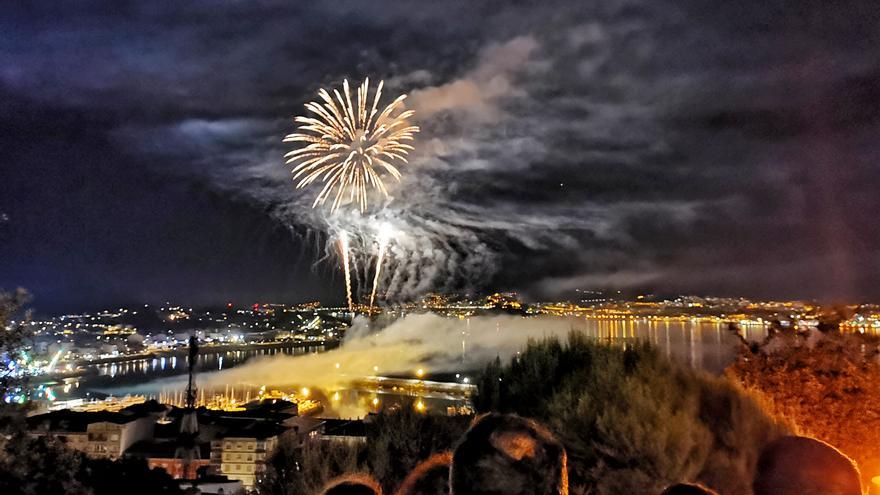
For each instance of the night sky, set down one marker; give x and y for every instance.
(724, 148)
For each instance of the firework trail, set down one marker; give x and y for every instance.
(343, 246)
(384, 237)
(347, 145)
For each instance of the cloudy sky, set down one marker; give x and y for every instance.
(670, 146)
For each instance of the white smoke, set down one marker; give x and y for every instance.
(421, 341)
(478, 92)
(426, 341)
(437, 345)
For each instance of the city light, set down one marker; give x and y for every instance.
(628, 247)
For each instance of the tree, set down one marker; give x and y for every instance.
(397, 441)
(295, 469)
(631, 420)
(133, 476)
(39, 465)
(13, 339)
(825, 383)
(34, 466)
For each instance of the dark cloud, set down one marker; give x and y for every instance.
(669, 146)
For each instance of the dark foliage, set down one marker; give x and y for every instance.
(106, 477)
(687, 489)
(306, 469)
(35, 466)
(430, 477)
(13, 337)
(41, 465)
(397, 441)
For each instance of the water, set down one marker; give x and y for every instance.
(702, 344)
(139, 371)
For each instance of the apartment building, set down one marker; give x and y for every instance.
(241, 453)
(100, 435)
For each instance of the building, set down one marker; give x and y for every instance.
(234, 444)
(349, 431)
(241, 453)
(305, 428)
(214, 485)
(161, 454)
(100, 435)
(73, 434)
(110, 439)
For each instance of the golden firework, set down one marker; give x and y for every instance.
(349, 147)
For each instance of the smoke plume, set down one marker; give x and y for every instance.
(430, 342)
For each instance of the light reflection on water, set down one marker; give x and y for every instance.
(141, 370)
(701, 344)
(707, 345)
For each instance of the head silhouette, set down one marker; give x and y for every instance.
(805, 466)
(353, 484)
(431, 477)
(507, 454)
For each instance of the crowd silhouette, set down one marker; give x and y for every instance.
(505, 454)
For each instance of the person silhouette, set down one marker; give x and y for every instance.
(431, 477)
(353, 484)
(511, 455)
(793, 465)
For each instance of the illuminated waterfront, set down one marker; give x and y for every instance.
(157, 367)
(705, 344)
(699, 343)
(131, 376)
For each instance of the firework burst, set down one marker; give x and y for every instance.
(350, 146)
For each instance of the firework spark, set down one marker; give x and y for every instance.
(349, 146)
(343, 246)
(384, 237)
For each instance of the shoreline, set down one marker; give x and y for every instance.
(84, 367)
